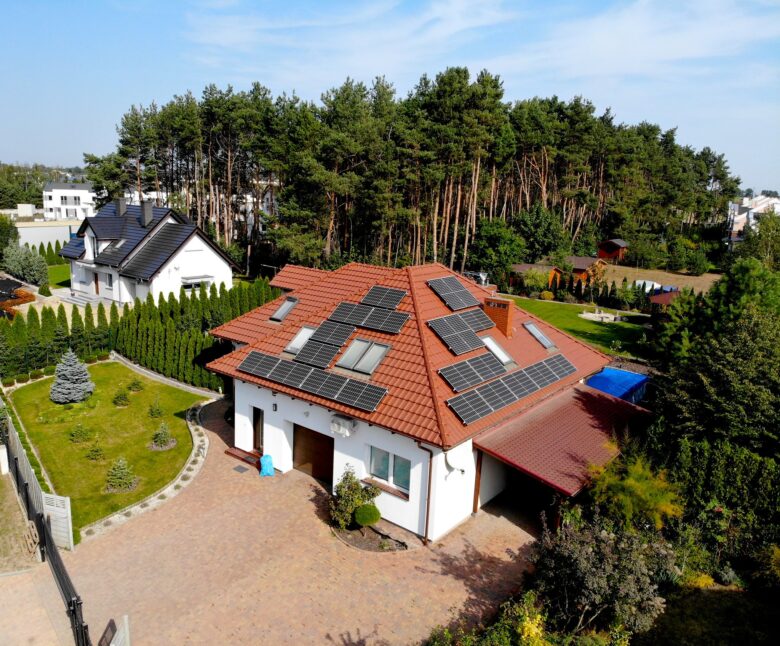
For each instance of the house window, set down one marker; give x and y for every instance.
(284, 309)
(497, 350)
(49, 197)
(537, 334)
(71, 213)
(77, 200)
(363, 356)
(63, 199)
(391, 468)
(109, 281)
(299, 340)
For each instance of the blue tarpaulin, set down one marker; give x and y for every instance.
(620, 383)
(266, 466)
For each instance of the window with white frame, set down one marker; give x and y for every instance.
(110, 281)
(363, 356)
(77, 200)
(391, 468)
(63, 199)
(303, 335)
(499, 352)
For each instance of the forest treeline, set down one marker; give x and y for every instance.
(365, 175)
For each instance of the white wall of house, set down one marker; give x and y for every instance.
(35, 233)
(68, 204)
(454, 474)
(493, 479)
(195, 260)
(354, 450)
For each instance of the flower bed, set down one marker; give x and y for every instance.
(21, 296)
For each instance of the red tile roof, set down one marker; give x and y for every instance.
(558, 440)
(664, 298)
(292, 277)
(416, 401)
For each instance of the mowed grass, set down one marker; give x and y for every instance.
(122, 432)
(697, 283)
(59, 275)
(607, 337)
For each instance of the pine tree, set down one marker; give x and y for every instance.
(71, 382)
(77, 340)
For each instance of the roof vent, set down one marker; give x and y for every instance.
(147, 215)
(502, 312)
(120, 206)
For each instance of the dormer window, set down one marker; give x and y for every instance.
(284, 309)
(537, 334)
(304, 334)
(363, 356)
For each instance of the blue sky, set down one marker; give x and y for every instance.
(709, 67)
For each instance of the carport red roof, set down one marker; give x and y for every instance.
(558, 440)
(415, 404)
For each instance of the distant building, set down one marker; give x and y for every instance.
(68, 201)
(128, 252)
(614, 249)
(744, 213)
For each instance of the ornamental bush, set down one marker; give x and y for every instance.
(120, 477)
(8, 381)
(547, 295)
(36, 374)
(155, 410)
(95, 452)
(71, 381)
(136, 385)
(162, 436)
(22, 379)
(350, 494)
(25, 264)
(121, 398)
(367, 515)
(48, 371)
(44, 290)
(79, 434)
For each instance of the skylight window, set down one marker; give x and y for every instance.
(304, 334)
(284, 309)
(363, 356)
(537, 334)
(497, 350)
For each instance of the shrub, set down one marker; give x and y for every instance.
(569, 298)
(48, 371)
(79, 434)
(547, 295)
(121, 398)
(120, 477)
(136, 385)
(769, 566)
(22, 379)
(25, 264)
(698, 580)
(36, 374)
(72, 382)
(68, 407)
(95, 453)
(8, 381)
(103, 356)
(162, 436)
(44, 290)
(91, 359)
(155, 410)
(726, 575)
(533, 294)
(698, 263)
(349, 495)
(367, 515)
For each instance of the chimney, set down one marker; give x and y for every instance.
(120, 205)
(502, 312)
(147, 214)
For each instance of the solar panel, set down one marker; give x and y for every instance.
(316, 381)
(351, 313)
(453, 293)
(384, 297)
(333, 333)
(456, 334)
(477, 320)
(373, 318)
(317, 354)
(473, 371)
(483, 400)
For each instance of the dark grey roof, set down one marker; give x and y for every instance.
(68, 186)
(160, 248)
(618, 242)
(106, 228)
(74, 248)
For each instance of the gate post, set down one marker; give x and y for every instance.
(39, 521)
(27, 500)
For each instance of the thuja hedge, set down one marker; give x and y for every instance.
(168, 336)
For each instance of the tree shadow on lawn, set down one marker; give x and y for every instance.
(487, 578)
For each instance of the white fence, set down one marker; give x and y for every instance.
(55, 508)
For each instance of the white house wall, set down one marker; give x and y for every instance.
(195, 258)
(493, 479)
(452, 497)
(354, 450)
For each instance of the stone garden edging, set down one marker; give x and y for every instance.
(190, 469)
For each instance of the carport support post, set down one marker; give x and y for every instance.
(477, 480)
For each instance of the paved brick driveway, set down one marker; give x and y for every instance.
(239, 559)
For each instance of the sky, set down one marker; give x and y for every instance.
(710, 68)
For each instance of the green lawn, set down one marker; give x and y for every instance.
(601, 335)
(59, 275)
(122, 432)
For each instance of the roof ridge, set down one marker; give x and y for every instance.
(443, 436)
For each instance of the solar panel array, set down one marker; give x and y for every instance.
(384, 297)
(458, 331)
(316, 353)
(453, 293)
(351, 392)
(333, 333)
(372, 318)
(483, 400)
(471, 372)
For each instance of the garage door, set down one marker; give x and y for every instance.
(313, 454)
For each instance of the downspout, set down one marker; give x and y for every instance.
(428, 495)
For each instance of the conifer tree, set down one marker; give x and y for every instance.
(6, 354)
(18, 338)
(71, 382)
(102, 330)
(170, 347)
(570, 286)
(162, 308)
(51, 258)
(62, 320)
(578, 292)
(48, 332)
(89, 330)
(77, 341)
(159, 347)
(243, 298)
(174, 310)
(235, 305)
(190, 357)
(36, 353)
(57, 249)
(41, 250)
(181, 354)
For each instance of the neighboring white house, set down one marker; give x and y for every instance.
(746, 212)
(428, 385)
(68, 200)
(126, 252)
